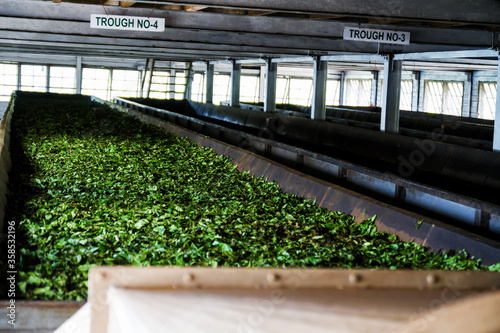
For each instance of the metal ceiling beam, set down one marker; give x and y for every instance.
(219, 42)
(372, 61)
(241, 23)
(100, 52)
(65, 60)
(92, 53)
(204, 50)
(354, 57)
(481, 53)
(449, 11)
(295, 60)
(80, 29)
(127, 52)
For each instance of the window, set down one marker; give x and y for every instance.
(333, 92)
(62, 80)
(180, 84)
(34, 78)
(160, 85)
(125, 83)
(443, 97)
(487, 100)
(249, 89)
(198, 88)
(301, 91)
(406, 95)
(221, 88)
(96, 82)
(358, 92)
(8, 81)
(167, 85)
(283, 90)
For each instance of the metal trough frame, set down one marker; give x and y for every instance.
(41, 317)
(247, 152)
(459, 209)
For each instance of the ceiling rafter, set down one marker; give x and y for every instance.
(479, 12)
(203, 29)
(126, 4)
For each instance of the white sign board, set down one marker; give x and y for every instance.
(377, 36)
(98, 21)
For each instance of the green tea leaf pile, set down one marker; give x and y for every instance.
(87, 191)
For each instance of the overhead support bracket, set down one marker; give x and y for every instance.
(271, 80)
(391, 92)
(210, 72)
(318, 109)
(235, 84)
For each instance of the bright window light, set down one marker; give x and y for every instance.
(125, 83)
(34, 78)
(62, 80)
(487, 100)
(96, 82)
(8, 81)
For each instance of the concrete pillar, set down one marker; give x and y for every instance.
(19, 74)
(342, 89)
(421, 92)
(415, 98)
(318, 108)
(78, 75)
(143, 78)
(47, 80)
(235, 84)
(391, 91)
(151, 69)
(189, 82)
(262, 84)
(467, 100)
(110, 85)
(210, 82)
(374, 92)
(271, 80)
(474, 104)
(496, 133)
(173, 73)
